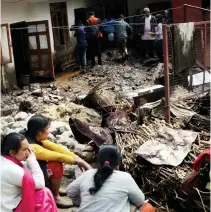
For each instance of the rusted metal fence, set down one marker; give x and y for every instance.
(195, 76)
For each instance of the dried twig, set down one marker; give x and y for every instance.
(200, 199)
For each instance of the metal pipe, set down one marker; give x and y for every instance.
(196, 7)
(205, 54)
(166, 72)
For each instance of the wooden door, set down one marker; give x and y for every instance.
(40, 55)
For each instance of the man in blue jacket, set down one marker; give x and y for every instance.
(81, 46)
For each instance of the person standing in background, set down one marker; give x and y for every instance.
(123, 30)
(81, 46)
(167, 17)
(94, 36)
(108, 31)
(159, 37)
(147, 27)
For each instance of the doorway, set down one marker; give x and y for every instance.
(41, 60)
(19, 37)
(80, 14)
(32, 49)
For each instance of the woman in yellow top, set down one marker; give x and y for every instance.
(50, 156)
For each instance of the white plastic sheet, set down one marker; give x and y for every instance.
(170, 147)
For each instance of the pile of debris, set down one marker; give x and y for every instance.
(124, 110)
(161, 164)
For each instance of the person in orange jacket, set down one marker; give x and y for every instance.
(94, 36)
(51, 156)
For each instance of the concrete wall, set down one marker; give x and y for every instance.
(36, 10)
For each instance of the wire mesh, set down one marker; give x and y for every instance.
(191, 78)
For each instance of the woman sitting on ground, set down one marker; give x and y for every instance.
(50, 156)
(22, 181)
(107, 189)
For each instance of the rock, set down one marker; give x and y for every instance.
(101, 74)
(52, 96)
(37, 92)
(126, 76)
(25, 106)
(63, 112)
(10, 124)
(8, 119)
(52, 138)
(46, 99)
(25, 88)
(7, 131)
(66, 134)
(56, 126)
(79, 148)
(19, 99)
(34, 86)
(19, 124)
(21, 116)
(3, 124)
(70, 143)
(69, 170)
(8, 110)
(63, 129)
(18, 93)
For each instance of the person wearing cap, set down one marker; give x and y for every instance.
(147, 27)
(123, 30)
(106, 188)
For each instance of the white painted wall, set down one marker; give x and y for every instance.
(35, 10)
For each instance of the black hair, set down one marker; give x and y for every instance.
(121, 16)
(36, 124)
(159, 18)
(108, 157)
(79, 22)
(12, 141)
(91, 13)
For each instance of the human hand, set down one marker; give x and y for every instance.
(31, 152)
(82, 164)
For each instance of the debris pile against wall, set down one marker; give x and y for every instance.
(99, 107)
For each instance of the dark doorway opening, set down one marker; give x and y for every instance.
(19, 36)
(80, 14)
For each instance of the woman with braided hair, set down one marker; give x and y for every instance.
(107, 189)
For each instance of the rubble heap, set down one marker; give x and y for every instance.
(96, 107)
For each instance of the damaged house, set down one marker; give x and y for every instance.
(36, 37)
(36, 40)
